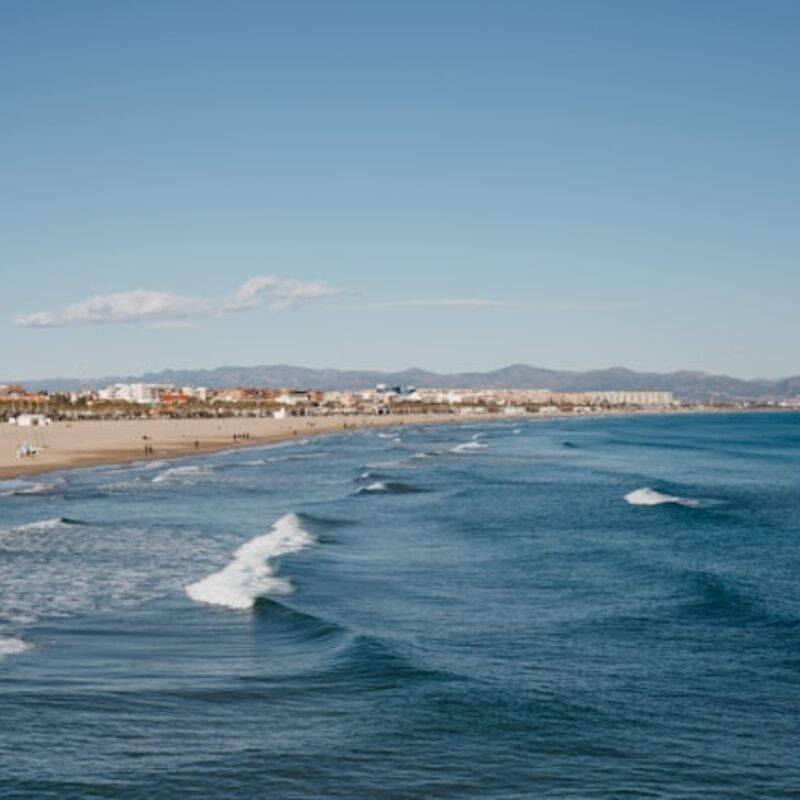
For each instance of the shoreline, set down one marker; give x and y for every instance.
(91, 443)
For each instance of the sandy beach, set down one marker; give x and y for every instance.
(63, 445)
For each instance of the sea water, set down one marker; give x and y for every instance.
(582, 608)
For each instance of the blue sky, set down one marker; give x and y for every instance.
(447, 184)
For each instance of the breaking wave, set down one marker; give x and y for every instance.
(377, 486)
(372, 476)
(468, 447)
(388, 487)
(252, 572)
(404, 463)
(47, 525)
(22, 488)
(650, 497)
(187, 473)
(180, 474)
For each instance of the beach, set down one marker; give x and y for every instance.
(63, 445)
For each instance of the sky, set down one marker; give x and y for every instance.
(449, 184)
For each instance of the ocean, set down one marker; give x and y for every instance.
(582, 608)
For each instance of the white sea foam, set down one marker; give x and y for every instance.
(44, 525)
(251, 573)
(40, 488)
(135, 484)
(389, 487)
(468, 447)
(70, 569)
(9, 646)
(650, 497)
(398, 462)
(25, 487)
(179, 474)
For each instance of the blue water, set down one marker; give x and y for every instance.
(441, 612)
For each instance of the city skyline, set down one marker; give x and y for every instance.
(454, 186)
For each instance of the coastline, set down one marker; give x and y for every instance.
(90, 443)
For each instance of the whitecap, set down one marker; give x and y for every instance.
(393, 487)
(10, 646)
(650, 497)
(251, 573)
(179, 474)
(468, 447)
(45, 525)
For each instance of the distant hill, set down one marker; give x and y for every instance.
(685, 385)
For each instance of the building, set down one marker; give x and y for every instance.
(626, 398)
(145, 393)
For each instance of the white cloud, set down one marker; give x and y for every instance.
(286, 293)
(461, 304)
(121, 307)
(162, 308)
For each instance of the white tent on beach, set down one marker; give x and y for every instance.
(30, 420)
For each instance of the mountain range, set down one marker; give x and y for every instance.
(685, 385)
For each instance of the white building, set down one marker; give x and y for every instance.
(133, 392)
(196, 392)
(634, 398)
